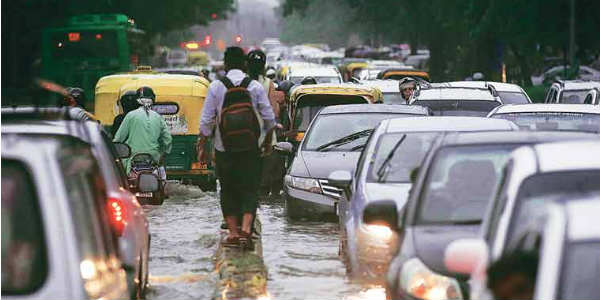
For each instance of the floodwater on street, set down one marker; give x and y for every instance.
(301, 257)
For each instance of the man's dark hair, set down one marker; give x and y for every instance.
(516, 262)
(234, 59)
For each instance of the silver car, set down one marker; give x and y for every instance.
(445, 100)
(56, 241)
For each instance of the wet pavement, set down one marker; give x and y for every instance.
(301, 257)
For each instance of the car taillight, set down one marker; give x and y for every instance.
(116, 214)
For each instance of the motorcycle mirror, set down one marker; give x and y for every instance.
(123, 150)
(148, 183)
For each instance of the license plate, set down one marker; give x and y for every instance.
(144, 195)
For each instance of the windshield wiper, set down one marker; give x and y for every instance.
(345, 140)
(384, 166)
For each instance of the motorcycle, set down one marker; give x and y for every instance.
(142, 163)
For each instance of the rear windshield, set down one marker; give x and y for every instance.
(469, 108)
(24, 260)
(393, 98)
(310, 105)
(573, 96)
(513, 98)
(85, 44)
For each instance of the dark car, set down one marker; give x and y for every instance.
(334, 141)
(456, 182)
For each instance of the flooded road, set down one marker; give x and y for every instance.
(301, 257)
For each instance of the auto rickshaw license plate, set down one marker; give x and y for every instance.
(144, 195)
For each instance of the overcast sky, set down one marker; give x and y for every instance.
(272, 3)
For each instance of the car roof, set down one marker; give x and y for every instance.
(451, 93)
(374, 108)
(417, 124)
(541, 107)
(565, 156)
(500, 86)
(313, 71)
(583, 218)
(578, 84)
(513, 137)
(53, 127)
(385, 85)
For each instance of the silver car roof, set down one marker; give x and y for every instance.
(417, 124)
(541, 107)
(375, 108)
(583, 218)
(500, 86)
(446, 93)
(385, 85)
(566, 156)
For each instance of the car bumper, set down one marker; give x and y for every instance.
(303, 204)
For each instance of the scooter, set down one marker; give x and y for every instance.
(142, 163)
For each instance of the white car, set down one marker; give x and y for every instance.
(56, 241)
(509, 93)
(323, 74)
(445, 100)
(592, 97)
(390, 89)
(539, 116)
(556, 73)
(176, 58)
(535, 176)
(131, 226)
(570, 92)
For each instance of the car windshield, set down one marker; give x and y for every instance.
(461, 182)
(554, 121)
(580, 271)
(573, 96)
(331, 127)
(407, 157)
(513, 98)
(470, 108)
(393, 98)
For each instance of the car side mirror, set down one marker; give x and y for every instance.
(148, 183)
(466, 256)
(285, 147)
(123, 150)
(414, 174)
(340, 179)
(383, 212)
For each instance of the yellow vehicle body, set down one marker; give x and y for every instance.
(198, 58)
(353, 68)
(321, 95)
(399, 74)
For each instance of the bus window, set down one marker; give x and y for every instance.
(85, 44)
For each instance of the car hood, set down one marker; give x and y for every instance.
(321, 164)
(430, 243)
(388, 191)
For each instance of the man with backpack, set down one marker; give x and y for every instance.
(230, 115)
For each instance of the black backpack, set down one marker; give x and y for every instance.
(238, 123)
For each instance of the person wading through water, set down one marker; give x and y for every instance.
(230, 114)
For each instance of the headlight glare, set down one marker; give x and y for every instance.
(301, 183)
(420, 282)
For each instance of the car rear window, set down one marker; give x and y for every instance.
(24, 259)
(513, 98)
(468, 108)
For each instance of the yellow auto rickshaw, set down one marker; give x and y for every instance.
(307, 100)
(399, 73)
(353, 70)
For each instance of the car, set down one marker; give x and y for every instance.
(593, 97)
(176, 58)
(509, 93)
(535, 175)
(57, 242)
(570, 91)
(403, 72)
(539, 116)
(557, 73)
(445, 100)
(129, 220)
(323, 74)
(383, 172)
(455, 183)
(333, 141)
(390, 89)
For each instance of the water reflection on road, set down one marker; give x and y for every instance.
(301, 257)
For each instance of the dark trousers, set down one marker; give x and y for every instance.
(272, 173)
(239, 175)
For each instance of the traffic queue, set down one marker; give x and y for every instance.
(437, 187)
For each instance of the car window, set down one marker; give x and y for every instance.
(513, 98)
(24, 258)
(469, 108)
(408, 156)
(554, 121)
(118, 163)
(461, 182)
(573, 96)
(588, 99)
(580, 271)
(86, 194)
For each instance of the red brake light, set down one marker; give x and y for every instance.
(116, 214)
(74, 36)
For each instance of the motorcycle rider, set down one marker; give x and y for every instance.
(75, 99)
(128, 102)
(145, 131)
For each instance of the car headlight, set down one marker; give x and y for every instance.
(378, 232)
(420, 282)
(301, 183)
